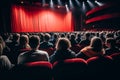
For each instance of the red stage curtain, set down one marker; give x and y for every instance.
(37, 19)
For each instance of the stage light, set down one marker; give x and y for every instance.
(78, 3)
(83, 7)
(90, 4)
(71, 4)
(43, 2)
(22, 2)
(67, 8)
(51, 4)
(99, 3)
(59, 2)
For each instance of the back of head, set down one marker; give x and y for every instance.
(111, 41)
(72, 36)
(24, 39)
(16, 36)
(87, 35)
(34, 41)
(47, 37)
(63, 44)
(96, 44)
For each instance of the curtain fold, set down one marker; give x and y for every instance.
(37, 19)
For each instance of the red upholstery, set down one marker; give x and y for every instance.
(99, 67)
(39, 63)
(116, 65)
(115, 55)
(41, 70)
(70, 69)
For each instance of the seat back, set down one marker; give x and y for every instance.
(40, 70)
(99, 68)
(116, 65)
(70, 69)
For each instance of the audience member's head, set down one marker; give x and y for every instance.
(16, 37)
(87, 35)
(110, 42)
(72, 36)
(24, 41)
(96, 44)
(109, 35)
(47, 37)
(34, 42)
(63, 44)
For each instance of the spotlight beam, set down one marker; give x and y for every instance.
(78, 3)
(59, 2)
(90, 4)
(67, 9)
(71, 4)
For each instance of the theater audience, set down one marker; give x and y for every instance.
(21, 47)
(6, 49)
(34, 54)
(15, 41)
(62, 51)
(111, 44)
(5, 63)
(46, 43)
(94, 49)
(73, 40)
(85, 42)
(24, 43)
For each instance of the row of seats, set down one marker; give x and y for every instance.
(95, 68)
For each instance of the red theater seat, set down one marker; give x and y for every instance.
(70, 69)
(41, 70)
(116, 65)
(100, 68)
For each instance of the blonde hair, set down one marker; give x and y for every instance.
(63, 44)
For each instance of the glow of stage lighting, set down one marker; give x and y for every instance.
(71, 4)
(51, 4)
(78, 3)
(67, 9)
(22, 2)
(90, 4)
(83, 6)
(43, 1)
(59, 2)
(58, 6)
(99, 3)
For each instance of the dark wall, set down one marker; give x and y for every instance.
(5, 16)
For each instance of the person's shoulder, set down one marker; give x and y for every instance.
(3, 57)
(24, 53)
(41, 52)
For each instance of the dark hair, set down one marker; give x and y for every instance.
(47, 37)
(34, 41)
(111, 41)
(16, 36)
